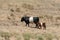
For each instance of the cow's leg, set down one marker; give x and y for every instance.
(37, 26)
(27, 24)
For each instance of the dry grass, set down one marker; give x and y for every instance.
(11, 12)
(28, 6)
(28, 36)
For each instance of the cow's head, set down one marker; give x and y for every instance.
(22, 19)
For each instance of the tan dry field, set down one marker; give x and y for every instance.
(11, 11)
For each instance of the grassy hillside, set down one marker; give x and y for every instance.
(11, 12)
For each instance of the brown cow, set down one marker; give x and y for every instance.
(42, 25)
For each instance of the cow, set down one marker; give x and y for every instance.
(29, 20)
(42, 25)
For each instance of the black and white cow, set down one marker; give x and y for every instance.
(28, 20)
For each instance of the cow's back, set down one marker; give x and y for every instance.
(36, 19)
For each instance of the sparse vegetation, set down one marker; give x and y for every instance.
(57, 18)
(40, 38)
(41, 16)
(17, 9)
(27, 6)
(26, 36)
(49, 37)
(5, 35)
(57, 38)
(17, 36)
(11, 12)
(48, 16)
